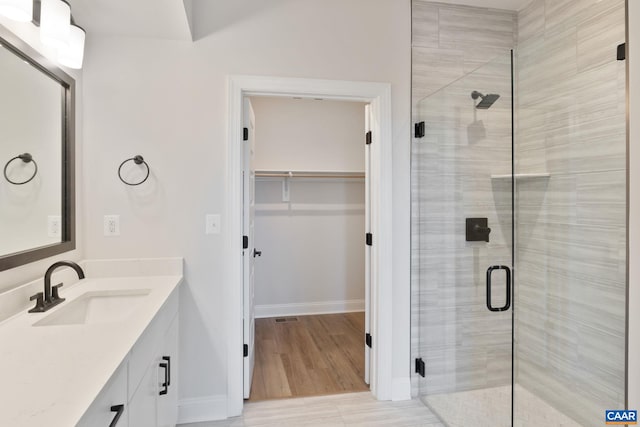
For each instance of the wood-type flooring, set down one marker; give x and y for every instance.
(308, 356)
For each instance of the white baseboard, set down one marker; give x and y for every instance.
(301, 309)
(199, 409)
(401, 389)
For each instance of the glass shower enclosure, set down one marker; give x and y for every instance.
(519, 245)
(463, 250)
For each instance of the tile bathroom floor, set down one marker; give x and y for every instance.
(477, 408)
(352, 409)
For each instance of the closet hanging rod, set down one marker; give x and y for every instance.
(308, 174)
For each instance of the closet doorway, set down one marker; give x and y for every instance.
(383, 385)
(306, 219)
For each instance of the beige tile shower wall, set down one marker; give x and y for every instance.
(570, 259)
(463, 348)
(450, 41)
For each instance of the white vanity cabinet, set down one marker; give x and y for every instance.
(142, 407)
(167, 408)
(110, 407)
(147, 379)
(155, 401)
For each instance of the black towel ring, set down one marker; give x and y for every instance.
(26, 158)
(138, 160)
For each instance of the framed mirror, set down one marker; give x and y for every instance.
(37, 137)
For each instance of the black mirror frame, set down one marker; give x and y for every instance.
(68, 194)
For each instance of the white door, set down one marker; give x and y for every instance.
(367, 259)
(249, 253)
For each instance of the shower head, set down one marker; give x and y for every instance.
(487, 100)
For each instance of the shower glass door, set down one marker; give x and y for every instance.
(462, 178)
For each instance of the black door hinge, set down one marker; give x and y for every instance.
(622, 52)
(245, 242)
(420, 367)
(369, 239)
(245, 134)
(368, 340)
(419, 129)
(245, 350)
(368, 138)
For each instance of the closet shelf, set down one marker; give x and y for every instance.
(309, 174)
(522, 176)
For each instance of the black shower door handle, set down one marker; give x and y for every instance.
(507, 271)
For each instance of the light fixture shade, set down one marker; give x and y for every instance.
(17, 10)
(55, 23)
(72, 55)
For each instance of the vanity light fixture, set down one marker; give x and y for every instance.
(17, 10)
(55, 23)
(57, 27)
(72, 55)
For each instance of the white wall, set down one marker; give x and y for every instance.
(307, 134)
(633, 375)
(312, 246)
(167, 101)
(20, 275)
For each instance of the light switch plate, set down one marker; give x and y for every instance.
(212, 224)
(112, 225)
(54, 226)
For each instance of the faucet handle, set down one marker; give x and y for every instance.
(39, 308)
(54, 292)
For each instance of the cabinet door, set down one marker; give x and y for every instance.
(111, 401)
(168, 358)
(142, 407)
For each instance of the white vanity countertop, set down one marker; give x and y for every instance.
(51, 374)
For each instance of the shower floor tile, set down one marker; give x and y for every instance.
(491, 407)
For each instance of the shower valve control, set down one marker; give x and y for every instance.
(477, 230)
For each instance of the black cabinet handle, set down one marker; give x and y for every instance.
(168, 360)
(166, 379)
(118, 409)
(507, 303)
(256, 253)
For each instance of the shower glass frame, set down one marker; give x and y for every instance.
(569, 320)
(464, 165)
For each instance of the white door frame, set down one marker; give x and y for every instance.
(379, 96)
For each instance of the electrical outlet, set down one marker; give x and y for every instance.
(212, 224)
(54, 226)
(112, 225)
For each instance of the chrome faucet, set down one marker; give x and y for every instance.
(50, 298)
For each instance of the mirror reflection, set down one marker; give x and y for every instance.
(31, 146)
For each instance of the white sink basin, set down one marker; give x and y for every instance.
(97, 307)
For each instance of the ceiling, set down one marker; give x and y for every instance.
(172, 19)
(165, 19)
